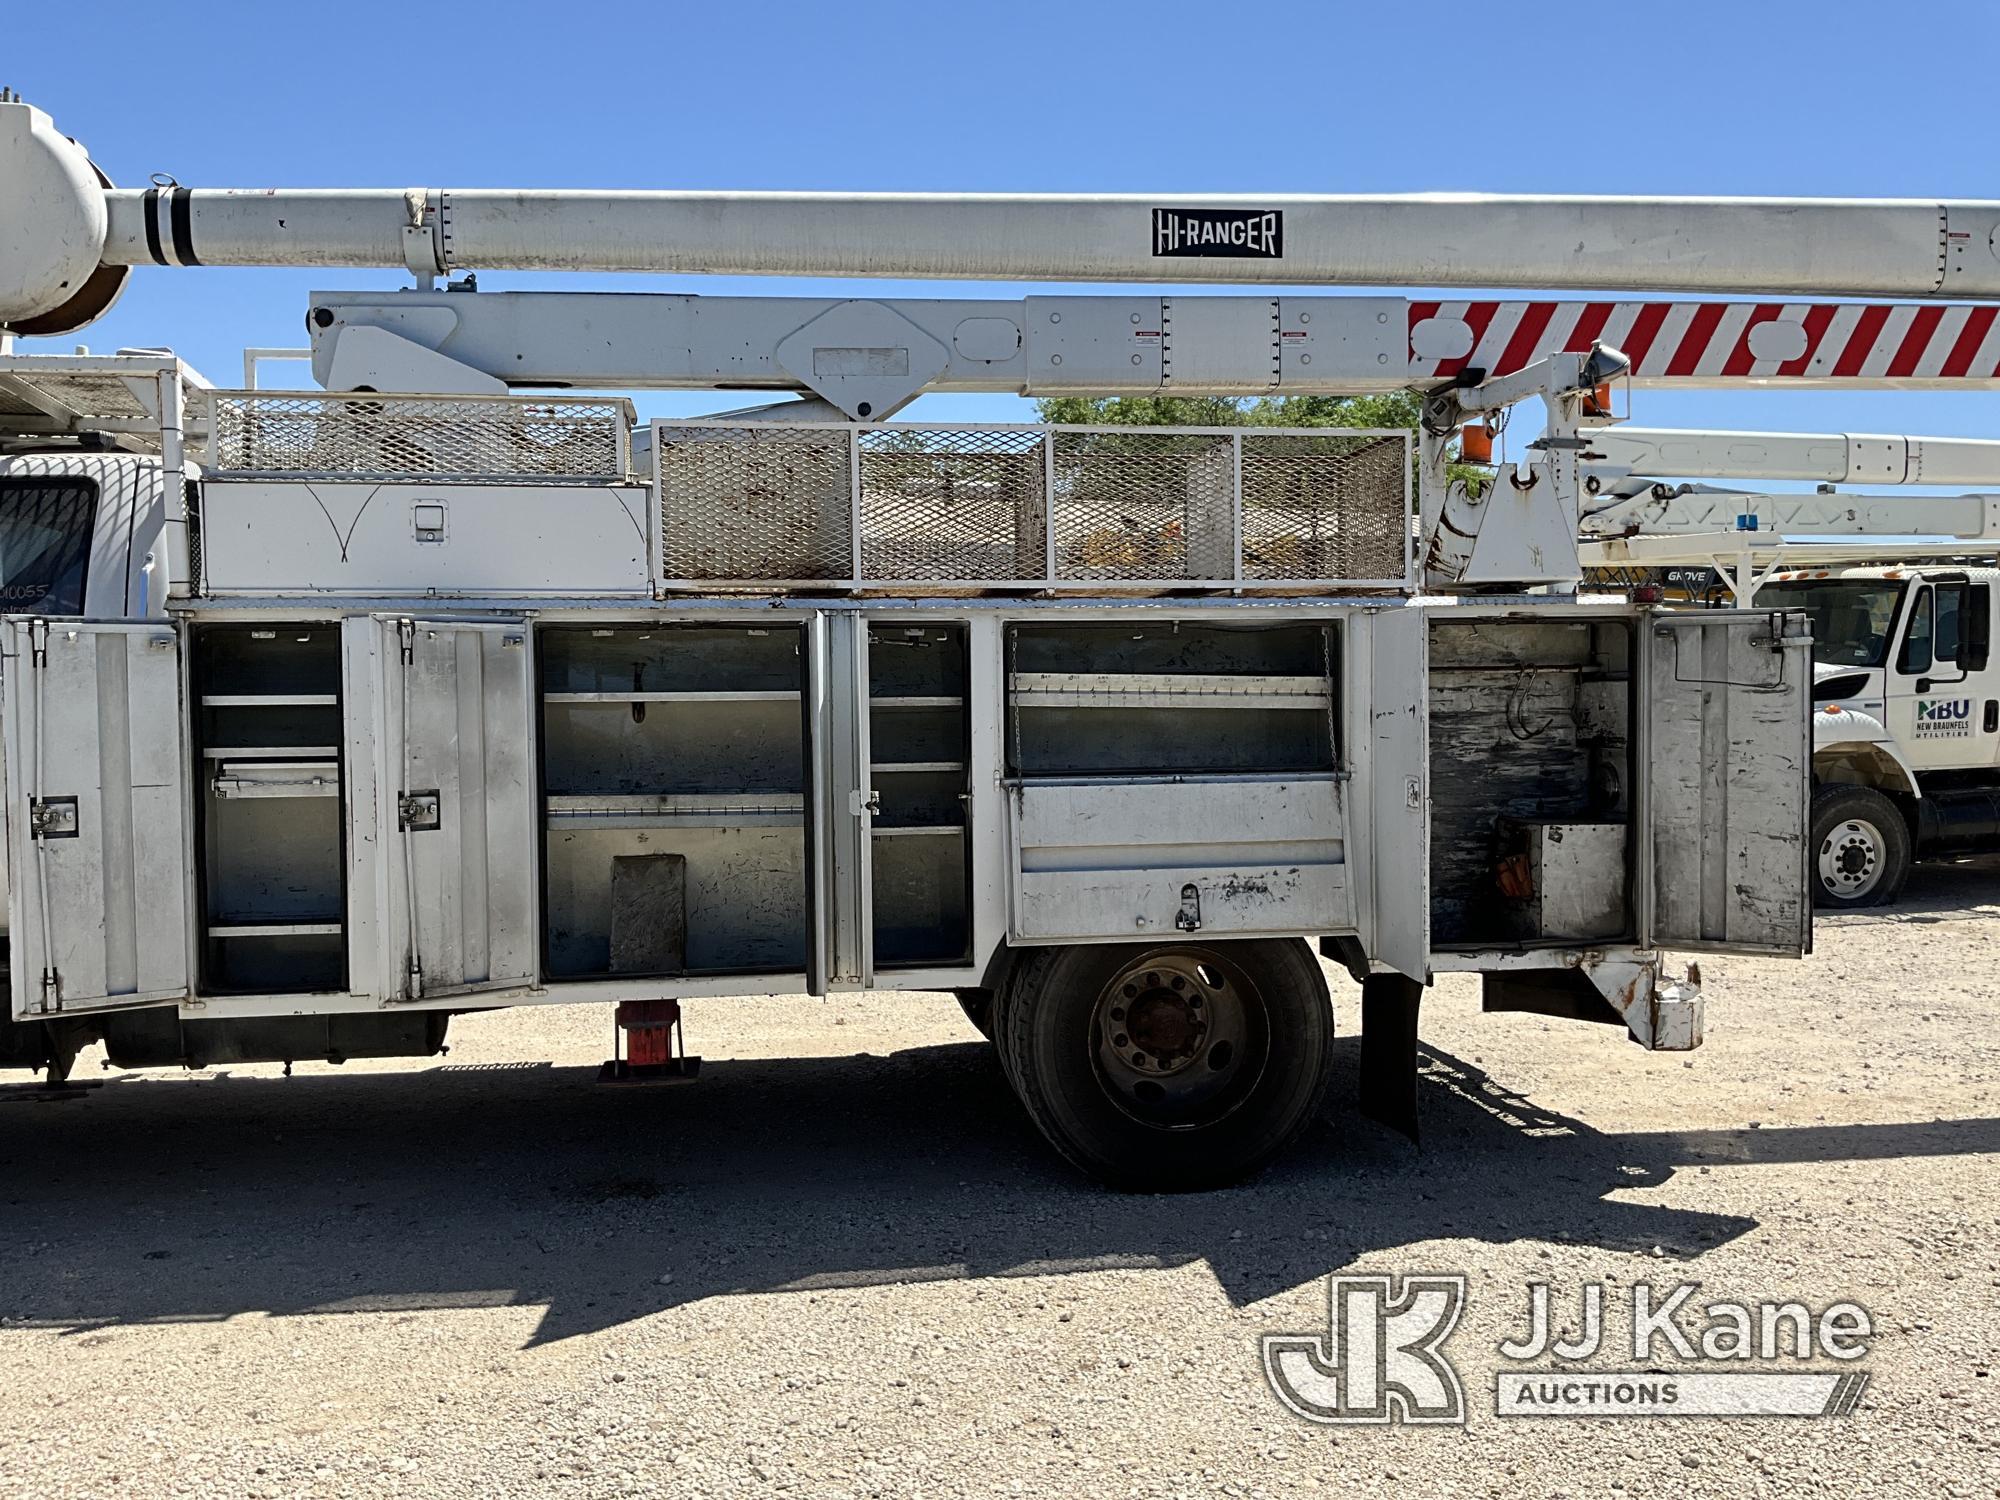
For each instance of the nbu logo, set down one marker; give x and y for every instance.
(1381, 1358)
(1943, 719)
(1943, 710)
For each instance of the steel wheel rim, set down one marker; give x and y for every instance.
(1180, 1038)
(1852, 857)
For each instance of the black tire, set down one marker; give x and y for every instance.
(1226, 1059)
(997, 1016)
(978, 1008)
(1861, 852)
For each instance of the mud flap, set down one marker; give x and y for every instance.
(1388, 1084)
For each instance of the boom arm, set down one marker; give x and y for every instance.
(64, 224)
(882, 352)
(1630, 519)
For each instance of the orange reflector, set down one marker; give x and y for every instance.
(1598, 402)
(1475, 444)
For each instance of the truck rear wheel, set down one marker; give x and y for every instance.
(1861, 847)
(1169, 1068)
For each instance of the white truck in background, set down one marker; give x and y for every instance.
(1901, 593)
(1907, 721)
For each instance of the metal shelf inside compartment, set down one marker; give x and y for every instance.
(1167, 690)
(251, 929)
(253, 778)
(676, 810)
(302, 753)
(618, 698)
(269, 700)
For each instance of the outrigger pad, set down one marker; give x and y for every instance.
(1388, 1083)
(680, 1070)
(654, 1052)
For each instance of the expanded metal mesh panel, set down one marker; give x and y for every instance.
(755, 503)
(946, 504)
(1325, 507)
(776, 503)
(88, 395)
(1145, 504)
(467, 439)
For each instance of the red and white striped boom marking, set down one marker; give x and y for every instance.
(1712, 343)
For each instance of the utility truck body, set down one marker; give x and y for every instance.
(459, 696)
(686, 731)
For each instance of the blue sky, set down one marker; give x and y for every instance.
(1700, 98)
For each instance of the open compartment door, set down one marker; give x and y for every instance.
(1391, 753)
(846, 801)
(445, 872)
(97, 820)
(1726, 780)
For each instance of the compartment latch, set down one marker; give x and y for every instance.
(419, 812)
(1188, 918)
(427, 519)
(52, 818)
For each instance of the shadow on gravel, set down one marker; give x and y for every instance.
(1938, 891)
(188, 1200)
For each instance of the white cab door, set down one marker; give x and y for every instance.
(97, 819)
(444, 883)
(1726, 769)
(1391, 760)
(1943, 687)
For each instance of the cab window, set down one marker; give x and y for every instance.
(1917, 639)
(1852, 618)
(1948, 632)
(45, 526)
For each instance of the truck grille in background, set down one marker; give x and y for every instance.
(441, 439)
(756, 504)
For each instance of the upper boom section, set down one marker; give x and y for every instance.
(58, 227)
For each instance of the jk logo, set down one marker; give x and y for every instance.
(1381, 1358)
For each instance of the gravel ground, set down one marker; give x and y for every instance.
(842, 1264)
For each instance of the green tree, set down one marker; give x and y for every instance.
(1392, 409)
(1388, 409)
